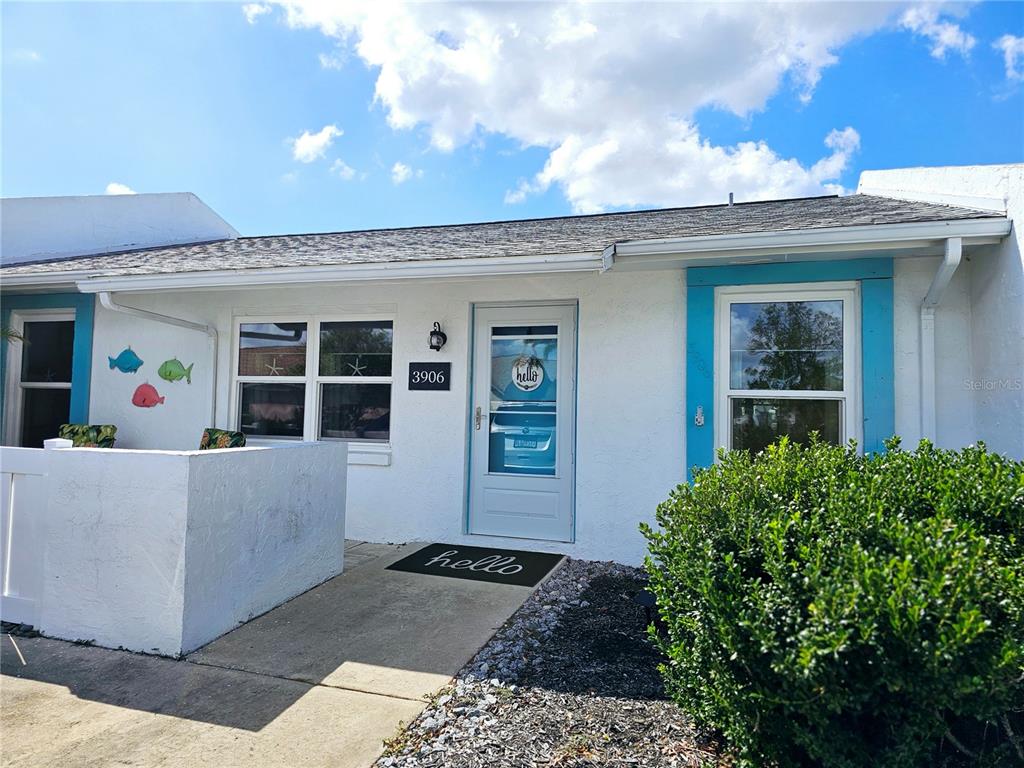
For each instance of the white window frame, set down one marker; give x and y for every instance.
(848, 292)
(15, 395)
(371, 451)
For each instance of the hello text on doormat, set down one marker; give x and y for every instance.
(500, 566)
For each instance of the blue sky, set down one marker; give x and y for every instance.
(495, 112)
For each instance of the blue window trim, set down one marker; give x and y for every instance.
(81, 355)
(877, 350)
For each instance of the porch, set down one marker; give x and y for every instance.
(320, 680)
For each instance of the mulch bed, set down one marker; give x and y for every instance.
(570, 680)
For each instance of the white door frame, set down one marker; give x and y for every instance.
(565, 315)
(14, 394)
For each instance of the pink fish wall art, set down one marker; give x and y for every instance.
(146, 396)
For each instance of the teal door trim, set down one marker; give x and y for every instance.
(877, 346)
(81, 355)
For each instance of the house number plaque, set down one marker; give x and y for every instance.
(430, 376)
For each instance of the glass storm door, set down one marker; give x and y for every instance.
(39, 377)
(522, 425)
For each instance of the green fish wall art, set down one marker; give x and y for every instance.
(173, 370)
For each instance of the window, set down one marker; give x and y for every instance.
(272, 379)
(786, 360)
(315, 380)
(354, 377)
(40, 376)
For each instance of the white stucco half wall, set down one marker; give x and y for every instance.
(162, 551)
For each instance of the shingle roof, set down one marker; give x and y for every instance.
(531, 237)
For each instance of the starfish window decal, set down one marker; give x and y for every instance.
(357, 368)
(273, 367)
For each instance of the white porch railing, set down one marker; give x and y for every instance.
(23, 490)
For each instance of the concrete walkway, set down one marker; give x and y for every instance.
(318, 681)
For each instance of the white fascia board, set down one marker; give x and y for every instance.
(869, 237)
(401, 270)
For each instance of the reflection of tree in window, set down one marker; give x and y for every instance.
(801, 348)
(355, 349)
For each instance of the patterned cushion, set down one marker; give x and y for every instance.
(88, 435)
(221, 438)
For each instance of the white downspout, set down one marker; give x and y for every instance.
(950, 262)
(107, 301)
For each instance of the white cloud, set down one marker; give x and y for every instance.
(401, 173)
(944, 35)
(311, 146)
(26, 55)
(117, 188)
(1013, 54)
(610, 92)
(335, 60)
(343, 170)
(672, 165)
(252, 11)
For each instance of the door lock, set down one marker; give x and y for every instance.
(479, 416)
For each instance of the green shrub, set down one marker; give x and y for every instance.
(825, 608)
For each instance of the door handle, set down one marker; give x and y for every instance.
(479, 416)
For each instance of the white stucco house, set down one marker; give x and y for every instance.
(587, 361)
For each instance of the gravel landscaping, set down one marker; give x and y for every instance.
(570, 680)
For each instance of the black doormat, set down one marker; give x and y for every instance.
(501, 566)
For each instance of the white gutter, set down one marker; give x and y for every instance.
(392, 270)
(608, 258)
(107, 301)
(44, 280)
(950, 262)
(777, 245)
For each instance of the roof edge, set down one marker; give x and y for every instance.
(779, 245)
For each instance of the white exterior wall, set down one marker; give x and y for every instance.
(161, 552)
(986, 389)
(955, 423)
(176, 424)
(630, 435)
(58, 227)
(630, 422)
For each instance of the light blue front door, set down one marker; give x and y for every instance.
(523, 416)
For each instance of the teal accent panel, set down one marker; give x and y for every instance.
(81, 355)
(877, 346)
(700, 376)
(791, 272)
(877, 363)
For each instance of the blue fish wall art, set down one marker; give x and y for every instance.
(126, 362)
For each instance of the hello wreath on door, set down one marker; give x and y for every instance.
(527, 373)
